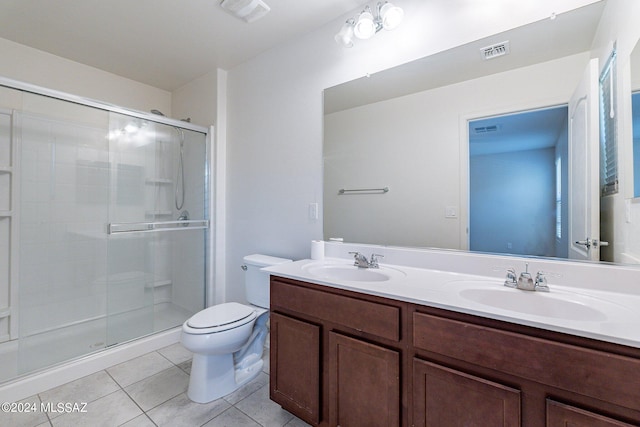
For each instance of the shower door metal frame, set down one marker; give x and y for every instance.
(204, 224)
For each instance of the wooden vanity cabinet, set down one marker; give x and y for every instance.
(295, 366)
(364, 383)
(561, 415)
(342, 358)
(447, 397)
(526, 376)
(354, 377)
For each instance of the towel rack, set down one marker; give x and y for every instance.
(146, 227)
(364, 190)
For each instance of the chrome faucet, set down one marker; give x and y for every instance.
(541, 282)
(511, 280)
(361, 260)
(525, 282)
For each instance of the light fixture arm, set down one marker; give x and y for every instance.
(369, 22)
(377, 19)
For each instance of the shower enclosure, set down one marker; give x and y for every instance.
(103, 222)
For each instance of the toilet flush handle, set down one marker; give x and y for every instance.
(244, 267)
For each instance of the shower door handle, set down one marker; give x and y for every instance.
(147, 227)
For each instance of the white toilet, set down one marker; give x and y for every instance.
(227, 339)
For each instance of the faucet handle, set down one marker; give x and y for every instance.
(541, 282)
(510, 279)
(374, 260)
(359, 259)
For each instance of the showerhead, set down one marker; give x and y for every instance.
(157, 112)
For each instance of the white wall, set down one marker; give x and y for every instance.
(25, 64)
(275, 116)
(197, 100)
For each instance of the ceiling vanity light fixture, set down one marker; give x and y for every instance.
(364, 26)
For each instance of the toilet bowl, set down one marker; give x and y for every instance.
(227, 340)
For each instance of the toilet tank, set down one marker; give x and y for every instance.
(256, 282)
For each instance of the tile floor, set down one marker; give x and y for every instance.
(151, 391)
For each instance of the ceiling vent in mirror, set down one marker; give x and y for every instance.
(486, 129)
(495, 50)
(247, 10)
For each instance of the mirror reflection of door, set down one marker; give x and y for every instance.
(518, 183)
(584, 201)
(635, 105)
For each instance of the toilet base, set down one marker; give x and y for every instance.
(215, 376)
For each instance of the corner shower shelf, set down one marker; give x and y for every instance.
(158, 284)
(5, 169)
(5, 312)
(6, 214)
(159, 181)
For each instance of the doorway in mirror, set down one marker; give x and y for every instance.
(518, 183)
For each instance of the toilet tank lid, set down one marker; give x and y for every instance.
(264, 260)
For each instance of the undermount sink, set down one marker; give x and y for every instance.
(555, 304)
(351, 273)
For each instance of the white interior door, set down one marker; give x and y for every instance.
(584, 200)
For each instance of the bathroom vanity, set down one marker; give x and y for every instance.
(345, 356)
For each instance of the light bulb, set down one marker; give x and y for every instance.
(391, 16)
(365, 28)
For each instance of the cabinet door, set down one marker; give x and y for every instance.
(294, 380)
(364, 383)
(561, 415)
(444, 397)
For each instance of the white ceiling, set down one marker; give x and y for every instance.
(163, 43)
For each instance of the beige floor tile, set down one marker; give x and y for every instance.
(139, 421)
(111, 410)
(185, 366)
(25, 413)
(83, 390)
(137, 369)
(232, 418)
(158, 388)
(251, 387)
(297, 422)
(176, 353)
(182, 412)
(266, 412)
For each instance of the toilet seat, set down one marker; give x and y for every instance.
(219, 318)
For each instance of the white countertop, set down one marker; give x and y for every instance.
(592, 313)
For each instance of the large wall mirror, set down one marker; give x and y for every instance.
(635, 109)
(446, 151)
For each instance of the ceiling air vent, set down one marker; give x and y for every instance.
(495, 50)
(247, 10)
(485, 129)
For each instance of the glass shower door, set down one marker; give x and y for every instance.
(156, 258)
(63, 200)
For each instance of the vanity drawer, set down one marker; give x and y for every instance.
(360, 314)
(594, 373)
